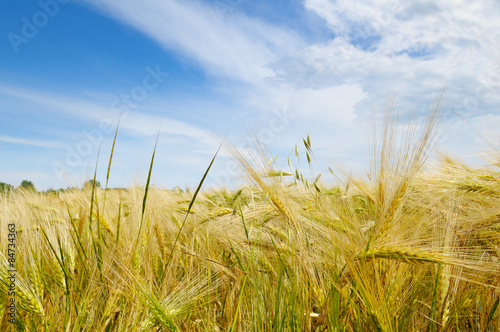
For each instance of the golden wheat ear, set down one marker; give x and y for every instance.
(403, 141)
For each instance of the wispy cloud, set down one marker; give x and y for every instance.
(30, 142)
(134, 122)
(236, 46)
(244, 49)
(80, 108)
(144, 124)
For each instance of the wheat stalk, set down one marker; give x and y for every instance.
(407, 255)
(161, 242)
(216, 214)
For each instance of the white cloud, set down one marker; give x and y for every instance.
(54, 102)
(333, 104)
(30, 142)
(145, 124)
(413, 48)
(235, 46)
(242, 48)
(133, 121)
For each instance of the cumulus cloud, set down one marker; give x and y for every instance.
(406, 47)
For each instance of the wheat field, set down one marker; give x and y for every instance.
(411, 246)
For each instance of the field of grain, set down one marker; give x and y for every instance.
(411, 246)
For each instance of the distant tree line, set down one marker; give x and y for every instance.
(28, 185)
(5, 187)
(90, 184)
(25, 184)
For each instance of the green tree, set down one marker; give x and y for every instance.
(5, 187)
(90, 183)
(27, 185)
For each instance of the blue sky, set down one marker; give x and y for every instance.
(287, 69)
